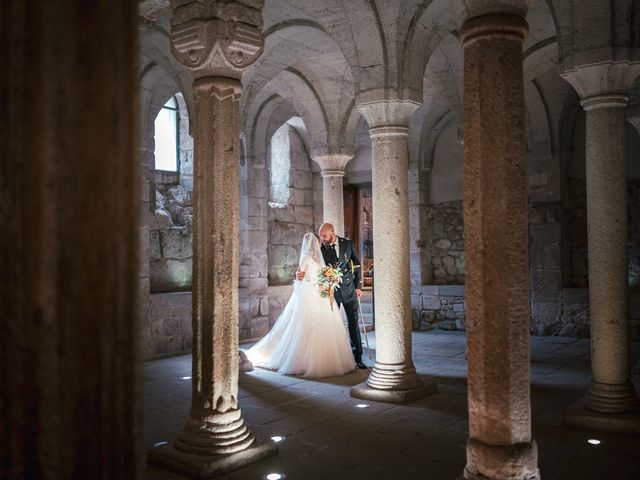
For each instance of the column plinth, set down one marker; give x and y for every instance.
(611, 404)
(215, 439)
(393, 378)
(500, 444)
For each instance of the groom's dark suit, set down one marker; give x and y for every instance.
(347, 260)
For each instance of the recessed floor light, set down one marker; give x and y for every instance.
(186, 378)
(160, 443)
(274, 476)
(362, 405)
(277, 438)
(594, 441)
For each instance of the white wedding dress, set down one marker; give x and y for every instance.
(309, 338)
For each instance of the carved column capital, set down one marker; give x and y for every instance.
(388, 113)
(604, 84)
(215, 37)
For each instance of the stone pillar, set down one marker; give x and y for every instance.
(227, 40)
(332, 194)
(69, 209)
(500, 444)
(393, 378)
(602, 89)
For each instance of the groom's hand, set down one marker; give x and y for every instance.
(358, 293)
(299, 275)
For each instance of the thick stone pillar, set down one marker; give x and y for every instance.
(393, 378)
(500, 444)
(227, 40)
(611, 395)
(332, 194)
(69, 209)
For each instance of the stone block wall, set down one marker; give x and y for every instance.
(575, 232)
(445, 242)
(545, 267)
(439, 307)
(575, 235)
(170, 325)
(288, 222)
(170, 239)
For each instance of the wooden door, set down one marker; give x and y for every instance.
(351, 214)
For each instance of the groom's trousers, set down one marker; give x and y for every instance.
(351, 310)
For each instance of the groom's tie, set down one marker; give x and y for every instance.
(332, 256)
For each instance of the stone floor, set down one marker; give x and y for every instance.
(328, 437)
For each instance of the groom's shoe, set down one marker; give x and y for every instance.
(360, 364)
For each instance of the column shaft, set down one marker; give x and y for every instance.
(390, 178)
(333, 199)
(495, 230)
(393, 377)
(215, 421)
(69, 210)
(610, 390)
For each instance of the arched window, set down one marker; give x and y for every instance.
(166, 137)
(280, 166)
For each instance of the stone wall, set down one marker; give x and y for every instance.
(634, 233)
(439, 307)
(545, 266)
(445, 242)
(576, 233)
(288, 222)
(170, 239)
(170, 325)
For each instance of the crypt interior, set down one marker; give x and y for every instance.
(163, 160)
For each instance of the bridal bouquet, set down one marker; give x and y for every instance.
(329, 279)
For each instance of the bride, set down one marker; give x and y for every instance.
(309, 338)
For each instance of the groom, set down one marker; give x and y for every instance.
(340, 252)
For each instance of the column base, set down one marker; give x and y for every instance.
(393, 383)
(207, 466)
(580, 416)
(507, 462)
(612, 398)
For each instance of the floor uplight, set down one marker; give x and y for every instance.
(277, 438)
(186, 378)
(160, 443)
(362, 405)
(594, 441)
(274, 476)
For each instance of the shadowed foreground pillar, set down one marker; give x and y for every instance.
(611, 400)
(332, 171)
(217, 41)
(69, 215)
(393, 378)
(495, 238)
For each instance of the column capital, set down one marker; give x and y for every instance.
(382, 114)
(216, 38)
(603, 85)
(332, 165)
(501, 25)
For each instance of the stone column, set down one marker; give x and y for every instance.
(393, 378)
(602, 89)
(500, 444)
(217, 41)
(69, 209)
(332, 194)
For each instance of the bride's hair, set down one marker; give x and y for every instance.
(311, 248)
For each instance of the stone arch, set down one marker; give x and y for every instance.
(308, 76)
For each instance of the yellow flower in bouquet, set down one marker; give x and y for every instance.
(329, 280)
